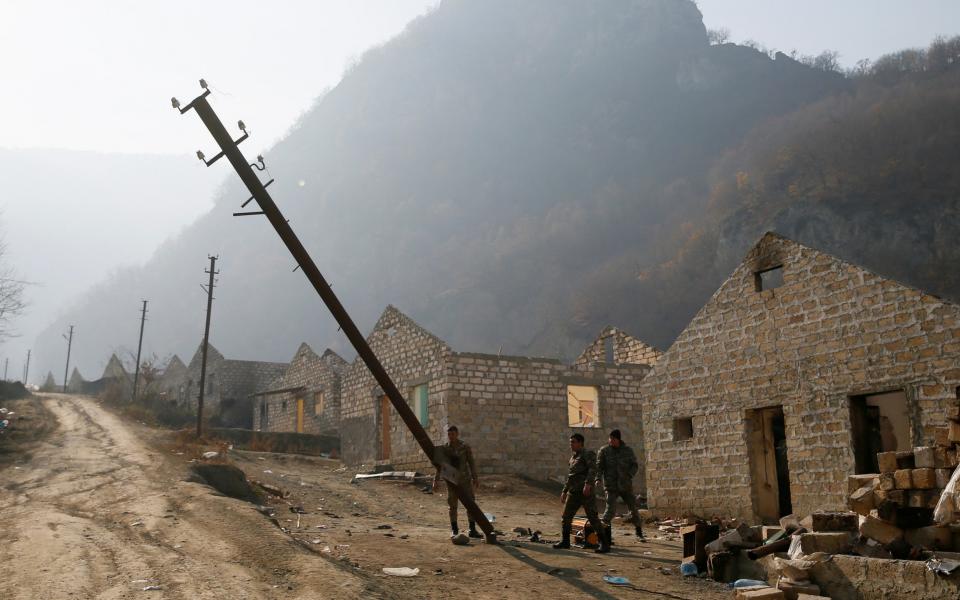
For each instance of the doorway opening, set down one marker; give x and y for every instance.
(769, 472)
(879, 423)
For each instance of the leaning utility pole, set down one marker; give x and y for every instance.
(268, 208)
(66, 369)
(136, 372)
(26, 369)
(206, 341)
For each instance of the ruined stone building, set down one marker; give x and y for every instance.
(114, 377)
(516, 412)
(305, 398)
(795, 373)
(229, 385)
(171, 384)
(616, 346)
(77, 384)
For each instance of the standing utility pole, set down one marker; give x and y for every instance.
(6, 363)
(66, 369)
(206, 341)
(136, 372)
(26, 369)
(268, 208)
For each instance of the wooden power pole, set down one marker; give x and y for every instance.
(66, 369)
(206, 342)
(136, 371)
(269, 209)
(26, 369)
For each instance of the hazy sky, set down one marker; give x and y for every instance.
(97, 75)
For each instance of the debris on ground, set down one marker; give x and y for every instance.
(226, 479)
(399, 476)
(401, 571)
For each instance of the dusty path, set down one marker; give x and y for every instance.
(92, 511)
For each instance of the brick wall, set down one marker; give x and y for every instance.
(307, 376)
(626, 349)
(412, 356)
(831, 331)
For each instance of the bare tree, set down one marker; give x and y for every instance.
(718, 36)
(12, 300)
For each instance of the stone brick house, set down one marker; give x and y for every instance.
(516, 412)
(796, 372)
(306, 398)
(229, 384)
(77, 384)
(172, 382)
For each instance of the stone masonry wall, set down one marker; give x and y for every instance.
(412, 356)
(626, 349)
(313, 375)
(831, 331)
(513, 411)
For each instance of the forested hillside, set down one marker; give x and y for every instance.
(518, 175)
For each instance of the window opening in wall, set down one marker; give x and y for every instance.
(879, 423)
(210, 384)
(284, 405)
(264, 414)
(318, 402)
(768, 279)
(769, 473)
(682, 429)
(582, 406)
(608, 350)
(419, 401)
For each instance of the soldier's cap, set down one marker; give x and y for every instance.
(452, 428)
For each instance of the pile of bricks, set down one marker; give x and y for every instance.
(898, 503)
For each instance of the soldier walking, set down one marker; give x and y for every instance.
(460, 457)
(616, 466)
(578, 492)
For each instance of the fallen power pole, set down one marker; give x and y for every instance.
(268, 208)
(206, 341)
(136, 372)
(66, 369)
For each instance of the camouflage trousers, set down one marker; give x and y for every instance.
(574, 501)
(453, 499)
(612, 496)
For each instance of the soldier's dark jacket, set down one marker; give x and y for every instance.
(460, 457)
(616, 467)
(583, 469)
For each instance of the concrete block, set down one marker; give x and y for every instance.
(835, 521)
(831, 543)
(863, 501)
(923, 479)
(740, 592)
(769, 531)
(887, 461)
(953, 435)
(887, 481)
(792, 589)
(917, 498)
(940, 458)
(930, 538)
(880, 531)
(923, 457)
(941, 436)
(905, 460)
(943, 477)
(855, 482)
(902, 479)
(763, 594)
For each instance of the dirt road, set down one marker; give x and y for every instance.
(99, 508)
(95, 512)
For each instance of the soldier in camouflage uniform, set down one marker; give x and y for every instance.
(616, 466)
(460, 456)
(578, 492)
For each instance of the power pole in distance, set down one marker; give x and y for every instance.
(206, 341)
(26, 369)
(269, 209)
(136, 372)
(6, 363)
(66, 369)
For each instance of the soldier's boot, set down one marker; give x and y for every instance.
(473, 530)
(604, 546)
(608, 534)
(564, 539)
(454, 529)
(640, 532)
